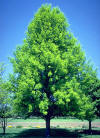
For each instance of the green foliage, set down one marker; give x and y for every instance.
(4, 95)
(89, 83)
(19, 126)
(46, 67)
(5, 100)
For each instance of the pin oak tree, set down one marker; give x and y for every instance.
(45, 69)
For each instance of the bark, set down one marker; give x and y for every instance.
(89, 125)
(4, 125)
(47, 127)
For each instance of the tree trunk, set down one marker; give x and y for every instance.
(4, 125)
(47, 127)
(89, 125)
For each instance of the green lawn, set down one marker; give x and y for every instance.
(25, 120)
(40, 133)
(52, 120)
(55, 132)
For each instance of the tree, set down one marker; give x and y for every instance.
(95, 99)
(95, 95)
(45, 69)
(5, 99)
(5, 107)
(90, 85)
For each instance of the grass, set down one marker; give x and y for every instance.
(52, 120)
(25, 120)
(55, 133)
(66, 120)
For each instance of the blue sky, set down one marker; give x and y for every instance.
(83, 17)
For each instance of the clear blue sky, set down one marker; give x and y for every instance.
(83, 17)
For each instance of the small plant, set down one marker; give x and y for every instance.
(52, 127)
(30, 126)
(38, 126)
(10, 126)
(18, 126)
(58, 126)
(84, 126)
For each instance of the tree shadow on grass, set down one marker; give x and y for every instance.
(55, 133)
(92, 132)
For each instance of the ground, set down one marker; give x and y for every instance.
(60, 128)
(55, 123)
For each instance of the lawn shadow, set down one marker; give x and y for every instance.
(92, 132)
(55, 133)
(58, 133)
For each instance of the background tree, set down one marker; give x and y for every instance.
(95, 99)
(5, 106)
(95, 95)
(90, 85)
(45, 69)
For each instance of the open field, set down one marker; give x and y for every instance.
(60, 128)
(55, 123)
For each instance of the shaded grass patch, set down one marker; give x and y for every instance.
(55, 133)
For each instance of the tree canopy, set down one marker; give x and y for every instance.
(48, 68)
